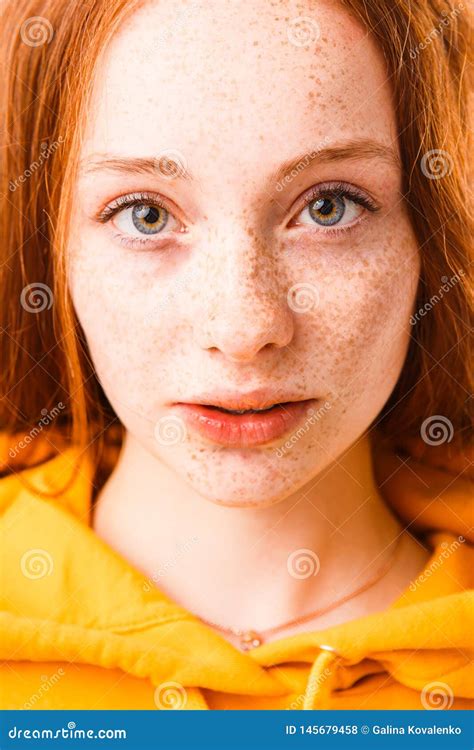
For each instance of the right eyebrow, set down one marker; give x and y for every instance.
(135, 165)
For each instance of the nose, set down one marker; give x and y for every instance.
(245, 307)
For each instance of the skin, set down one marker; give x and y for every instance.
(227, 91)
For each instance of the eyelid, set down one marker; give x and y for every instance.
(131, 199)
(344, 189)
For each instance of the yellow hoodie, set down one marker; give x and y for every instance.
(80, 628)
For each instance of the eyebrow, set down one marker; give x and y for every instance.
(350, 150)
(165, 165)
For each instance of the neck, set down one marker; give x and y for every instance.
(247, 567)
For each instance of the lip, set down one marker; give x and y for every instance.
(243, 430)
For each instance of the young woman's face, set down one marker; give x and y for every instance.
(211, 271)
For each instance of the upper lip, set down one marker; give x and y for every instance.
(260, 398)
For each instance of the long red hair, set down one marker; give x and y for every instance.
(50, 51)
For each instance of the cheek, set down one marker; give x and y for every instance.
(360, 330)
(117, 308)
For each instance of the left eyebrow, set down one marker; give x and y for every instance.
(351, 150)
(136, 165)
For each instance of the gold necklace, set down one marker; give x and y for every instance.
(249, 639)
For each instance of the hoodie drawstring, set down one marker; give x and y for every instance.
(319, 685)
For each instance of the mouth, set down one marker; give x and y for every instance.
(247, 411)
(241, 425)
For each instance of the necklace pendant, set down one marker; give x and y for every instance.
(250, 639)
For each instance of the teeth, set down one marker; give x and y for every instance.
(247, 411)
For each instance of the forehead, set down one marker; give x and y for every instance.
(243, 83)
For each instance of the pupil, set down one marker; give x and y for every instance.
(327, 211)
(149, 219)
(150, 214)
(326, 208)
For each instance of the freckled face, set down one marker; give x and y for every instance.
(226, 277)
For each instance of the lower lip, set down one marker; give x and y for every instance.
(244, 430)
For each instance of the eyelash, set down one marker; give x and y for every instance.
(127, 201)
(328, 190)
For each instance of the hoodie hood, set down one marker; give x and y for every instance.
(68, 597)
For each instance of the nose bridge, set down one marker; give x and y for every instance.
(245, 304)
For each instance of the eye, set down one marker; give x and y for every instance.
(336, 207)
(141, 219)
(330, 210)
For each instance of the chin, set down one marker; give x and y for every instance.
(244, 499)
(248, 487)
